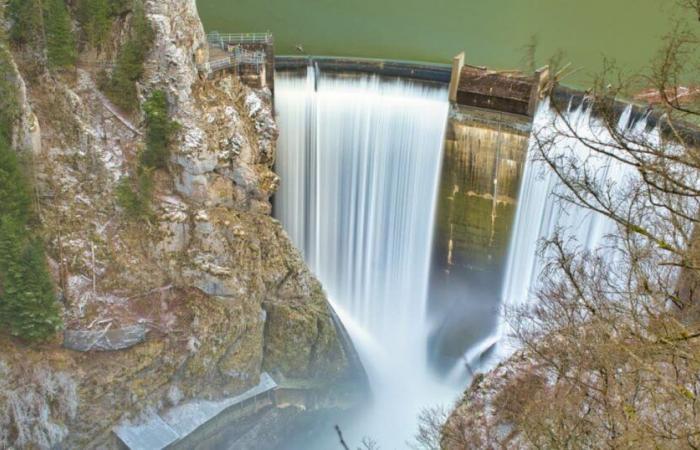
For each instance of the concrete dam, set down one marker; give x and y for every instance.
(400, 188)
(412, 192)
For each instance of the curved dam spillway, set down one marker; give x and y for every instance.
(422, 219)
(360, 162)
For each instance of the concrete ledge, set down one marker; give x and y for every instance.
(177, 424)
(437, 73)
(151, 435)
(104, 340)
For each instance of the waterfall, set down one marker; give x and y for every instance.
(359, 158)
(541, 214)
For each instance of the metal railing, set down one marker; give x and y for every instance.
(243, 56)
(219, 64)
(221, 39)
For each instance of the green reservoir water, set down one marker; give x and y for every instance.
(492, 32)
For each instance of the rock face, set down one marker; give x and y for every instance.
(105, 340)
(212, 276)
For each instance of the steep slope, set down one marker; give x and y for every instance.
(210, 275)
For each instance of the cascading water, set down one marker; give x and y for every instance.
(359, 159)
(540, 213)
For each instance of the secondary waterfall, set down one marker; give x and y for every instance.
(359, 159)
(541, 214)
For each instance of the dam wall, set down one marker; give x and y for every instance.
(483, 160)
(483, 155)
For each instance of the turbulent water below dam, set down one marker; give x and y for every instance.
(360, 160)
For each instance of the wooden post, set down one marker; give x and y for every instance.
(538, 88)
(457, 64)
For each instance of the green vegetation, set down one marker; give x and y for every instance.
(36, 24)
(9, 105)
(94, 18)
(121, 87)
(28, 307)
(119, 7)
(134, 193)
(60, 42)
(27, 22)
(160, 132)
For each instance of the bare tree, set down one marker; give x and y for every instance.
(430, 424)
(613, 340)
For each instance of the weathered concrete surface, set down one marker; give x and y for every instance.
(483, 160)
(508, 92)
(181, 423)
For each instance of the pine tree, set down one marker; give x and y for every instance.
(134, 192)
(160, 131)
(15, 197)
(121, 88)
(60, 42)
(27, 305)
(26, 17)
(27, 302)
(93, 16)
(9, 103)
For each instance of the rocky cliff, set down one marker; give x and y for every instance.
(211, 277)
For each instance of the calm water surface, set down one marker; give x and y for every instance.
(492, 32)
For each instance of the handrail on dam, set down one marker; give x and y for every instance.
(250, 55)
(216, 38)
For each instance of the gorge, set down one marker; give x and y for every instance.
(206, 245)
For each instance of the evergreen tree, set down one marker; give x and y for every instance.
(15, 197)
(134, 193)
(119, 7)
(9, 104)
(27, 302)
(27, 305)
(160, 131)
(121, 88)
(26, 17)
(60, 42)
(93, 16)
